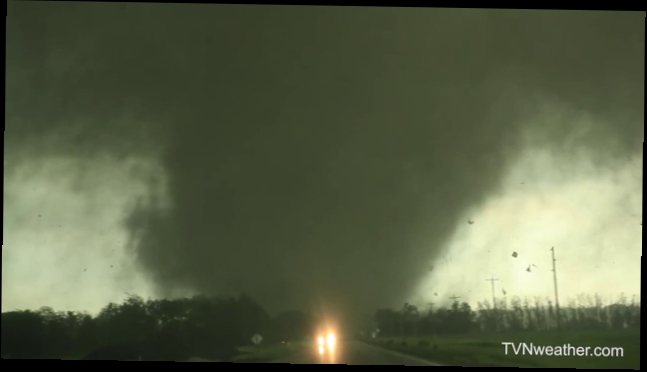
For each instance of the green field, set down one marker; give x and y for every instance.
(247, 354)
(267, 353)
(200, 360)
(262, 353)
(487, 350)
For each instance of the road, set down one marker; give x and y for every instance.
(357, 353)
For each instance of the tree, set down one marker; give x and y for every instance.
(23, 334)
(387, 321)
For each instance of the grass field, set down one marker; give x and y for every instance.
(200, 360)
(267, 353)
(247, 354)
(258, 354)
(487, 350)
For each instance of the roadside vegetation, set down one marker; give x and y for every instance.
(208, 329)
(190, 329)
(462, 336)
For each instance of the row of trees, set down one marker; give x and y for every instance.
(214, 327)
(517, 315)
(204, 327)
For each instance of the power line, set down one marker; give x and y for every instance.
(454, 298)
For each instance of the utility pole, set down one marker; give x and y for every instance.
(492, 280)
(454, 298)
(430, 319)
(496, 318)
(552, 250)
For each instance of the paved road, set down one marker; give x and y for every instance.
(357, 353)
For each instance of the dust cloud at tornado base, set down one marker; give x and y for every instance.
(304, 164)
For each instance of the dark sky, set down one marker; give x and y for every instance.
(313, 154)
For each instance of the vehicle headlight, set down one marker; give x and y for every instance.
(331, 340)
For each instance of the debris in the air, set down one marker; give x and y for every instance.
(514, 254)
(431, 268)
(504, 292)
(528, 269)
(435, 293)
(84, 270)
(470, 222)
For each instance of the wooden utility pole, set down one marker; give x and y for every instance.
(552, 250)
(430, 320)
(454, 298)
(492, 280)
(494, 311)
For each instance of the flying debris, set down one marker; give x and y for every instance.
(514, 254)
(528, 269)
(504, 292)
(470, 222)
(431, 267)
(435, 293)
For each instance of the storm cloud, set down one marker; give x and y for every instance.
(312, 155)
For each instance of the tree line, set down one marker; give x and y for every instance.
(137, 329)
(215, 327)
(516, 315)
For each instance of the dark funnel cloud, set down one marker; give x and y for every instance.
(316, 156)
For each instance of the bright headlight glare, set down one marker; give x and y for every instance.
(331, 340)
